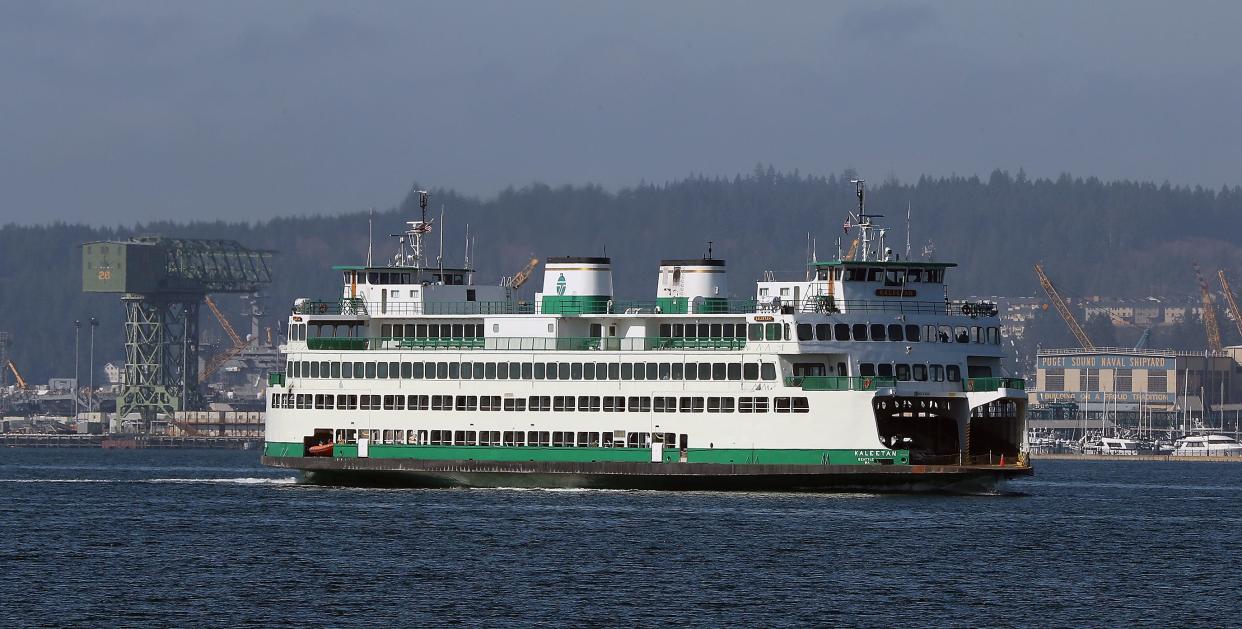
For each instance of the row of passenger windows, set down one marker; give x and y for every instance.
(906, 373)
(897, 332)
(555, 403)
(519, 438)
(530, 371)
(432, 330)
(890, 277)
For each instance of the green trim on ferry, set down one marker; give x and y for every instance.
(586, 455)
(575, 304)
(673, 305)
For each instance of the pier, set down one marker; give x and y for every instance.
(23, 440)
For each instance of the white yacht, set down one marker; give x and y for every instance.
(1207, 445)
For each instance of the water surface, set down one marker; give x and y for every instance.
(210, 538)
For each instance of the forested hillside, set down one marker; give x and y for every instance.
(1109, 238)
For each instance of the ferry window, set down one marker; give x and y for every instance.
(305, 373)
(718, 371)
(787, 337)
(454, 371)
(866, 370)
(705, 371)
(665, 371)
(713, 405)
(860, 332)
(703, 331)
(380, 371)
(877, 332)
(912, 333)
(977, 335)
(589, 403)
(823, 332)
(446, 331)
(801, 405)
(457, 331)
(665, 404)
(640, 372)
(726, 405)
(370, 371)
(727, 331)
(489, 370)
(575, 371)
(314, 369)
(478, 371)
(679, 330)
(945, 334)
(468, 331)
(716, 330)
(394, 370)
(390, 402)
(420, 330)
(750, 371)
(903, 372)
(772, 331)
(386, 330)
(666, 329)
(875, 275)
(805, 332)
(627, 371)
(610, 404)
(953, 373)
(896, 333)
(914, 275)
(558, 402)
(677, 371)
(755, 332)
(761, 405)
(289, 369)
(407, 370)
(373, 278)
(841, 331)
(515, 371)
(588, 371)
(418, 402)
(746, 405)
(961, 335)
(919, 372)
(527, 371)
(639, 404)
(442, 370)
(550, 368)
(937, 373)
(735, 371)
(768, 371)
(994, 336)
(783, 405)
(653, 371)
(894, 277)
(929, 333)
(539, 371)
(614, 371)
(884, 370)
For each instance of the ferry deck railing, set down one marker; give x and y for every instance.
(523, 343)
(819, 304)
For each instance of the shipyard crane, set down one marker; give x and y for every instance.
(1209, 312)
(523, 275)
(218, 360)
(21, 382)
(1063, 309)
(1230, 301)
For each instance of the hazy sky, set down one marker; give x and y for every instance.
(116, 111)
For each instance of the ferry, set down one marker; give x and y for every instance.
(864, 374)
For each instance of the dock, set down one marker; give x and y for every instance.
(126, 442)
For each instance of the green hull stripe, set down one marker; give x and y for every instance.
(577, 455)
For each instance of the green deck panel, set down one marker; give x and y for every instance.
(635, 455)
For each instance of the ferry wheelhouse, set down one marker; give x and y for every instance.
(865, 373)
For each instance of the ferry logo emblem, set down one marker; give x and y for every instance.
(560, 285)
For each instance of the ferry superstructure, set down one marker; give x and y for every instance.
(863, 374)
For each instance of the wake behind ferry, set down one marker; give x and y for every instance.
(862, 375)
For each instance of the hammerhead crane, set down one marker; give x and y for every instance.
(1209, 312)
(1230, 301)
(1063, 309)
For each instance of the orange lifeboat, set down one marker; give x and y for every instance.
(323, 449)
